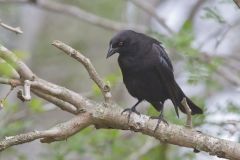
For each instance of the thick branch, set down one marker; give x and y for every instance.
(109, 116)
(105, 89)
(173, 134)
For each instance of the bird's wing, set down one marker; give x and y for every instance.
(163, 63)
(164, 69)
(162, 53)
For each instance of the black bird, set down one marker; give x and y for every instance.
(148, 72)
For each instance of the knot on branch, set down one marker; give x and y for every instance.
(25, 94)
(106, 88)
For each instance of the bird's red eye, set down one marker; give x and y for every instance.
(120, 44)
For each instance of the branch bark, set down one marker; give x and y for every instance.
(107, 115)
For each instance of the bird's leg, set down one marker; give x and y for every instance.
(132, 109)
(160, 117)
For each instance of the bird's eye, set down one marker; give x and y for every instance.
(120, 44)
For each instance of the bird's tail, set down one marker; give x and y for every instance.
(178, 99)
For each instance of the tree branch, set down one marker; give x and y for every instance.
(12, 82)
(59, 132)
(58, 102)
(109, 116)
(39, 84)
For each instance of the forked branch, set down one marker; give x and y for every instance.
(89, 112)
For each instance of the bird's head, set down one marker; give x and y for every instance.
(122, 42)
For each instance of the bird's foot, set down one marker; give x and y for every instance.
(160, 119)
(130, 110)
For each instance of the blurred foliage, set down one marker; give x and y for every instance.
(97, 144)
(110, 79)
(200, 66)
(35, 105)
(96, 7)
(12, 128)
(11, 125)
(213, 13)
(233, 108)
(5, 69)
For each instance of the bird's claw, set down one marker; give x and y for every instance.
(160, 119)
(130, 110)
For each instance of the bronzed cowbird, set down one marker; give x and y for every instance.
(148, 72)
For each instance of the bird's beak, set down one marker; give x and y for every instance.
(111, 51)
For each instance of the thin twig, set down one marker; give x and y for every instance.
(16, 30)
(105, 88)
(58, 102)
(12, 82)
(189, 113)
(22, 69)
(152, 11)
(2, 101)
(59, 132)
